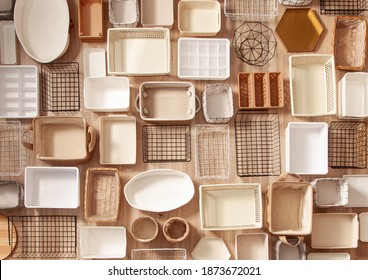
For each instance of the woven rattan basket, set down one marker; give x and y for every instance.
(102, 195)
(349, 42)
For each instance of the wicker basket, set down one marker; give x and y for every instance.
(349, 42)
(102, 195)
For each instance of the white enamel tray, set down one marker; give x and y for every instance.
(159, 190)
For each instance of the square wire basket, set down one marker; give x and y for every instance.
(212, 151)
(166, 143)
(12, 154)
(343, 7)
(159, 254)
(257, 137)
(217, 102)
(251, 10)
(124, 13)
(347, 145)
(102, 195)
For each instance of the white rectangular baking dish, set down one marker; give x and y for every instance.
(307, 147)
(107, 94)
(51, 187)
(118, 139)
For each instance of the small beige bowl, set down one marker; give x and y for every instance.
(144, 229)
(175, 229)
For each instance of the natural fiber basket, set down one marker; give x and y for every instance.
(176, 229)
(144, 229)
(102, 195)
(349, 42)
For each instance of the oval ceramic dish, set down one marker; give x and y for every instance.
(159, 190)
(42, 27)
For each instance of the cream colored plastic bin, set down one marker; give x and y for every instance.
(156, 13)
(199, 17)
(107, 94)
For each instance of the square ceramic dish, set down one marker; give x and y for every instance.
(307, 147)
(51, 187)
(107, 94)
(230, 206)
(19, 91)
(94, 62)
(156, 13)
(102, 242)
(138, 51)
(358, 191)
(251, 246)
(199, 17)
(335, 231)
(117, 139)
(203, 59)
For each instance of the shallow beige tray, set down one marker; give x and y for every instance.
(251, 246)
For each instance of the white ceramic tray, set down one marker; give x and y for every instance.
(167, 101)
(358, 191)
(94, 62)
(19, 91)
(307, 147)
(118, 139)
(51, 187)
(156, 13)
(159, 190)
(363, 226)
(328, 256)
(203, 59)
(8, 43)
(230, 206)
(252, 246)
(138, 51)
(335, 231)
(102, 242)
(107, 94)
(52, 40)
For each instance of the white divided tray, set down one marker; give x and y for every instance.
(118, 139)
(51, 187)
(19, 91)
(307, 147)
(100, 242)
(107, 94)
(203, 59)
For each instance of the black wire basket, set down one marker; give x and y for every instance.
(343, 7)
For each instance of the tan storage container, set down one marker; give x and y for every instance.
(90, 20)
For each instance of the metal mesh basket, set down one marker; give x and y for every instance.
(217, 103)
(124, 13)
(257, 144)
(12, 154)
(251, 10)
(212, 151)
(166, 143)
(159, 254)
(60, 86)
(102, 195)
(295, 3)
(50, 237)
(343, 7)
(347, 145)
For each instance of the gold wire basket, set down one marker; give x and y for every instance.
(159, 254)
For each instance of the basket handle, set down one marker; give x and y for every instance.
(290, 177)
(136, 103)
(284, 239)
(92, 139)
(198, 104)
(27, 145)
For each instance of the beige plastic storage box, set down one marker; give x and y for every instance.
(91, 20)
(63, 140)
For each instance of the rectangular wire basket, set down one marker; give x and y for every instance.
(343, 7)
(12, 154)
(212, 151)
(257, 144)
(159, 254)
(166, 143)
(44, 237)
(295, 3)
(102, 195)
(217, 102)
(251, 10)
(347, 145)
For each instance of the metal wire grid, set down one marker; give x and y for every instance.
(166, 143)
(251, 10)
(257, 137)
(212, 151)
(51, 237)
(60, 86)
(343, 7)
(217, 102)
(159, 254)
(12, 154)
(295, 3)
(347, 145)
